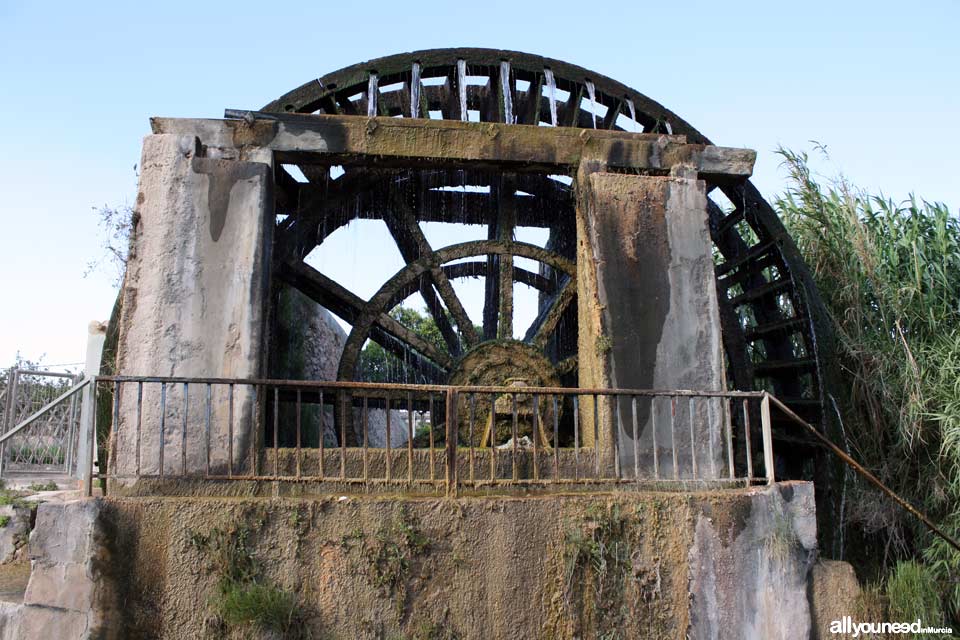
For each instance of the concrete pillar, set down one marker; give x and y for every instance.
(194, 304)
(649, 318)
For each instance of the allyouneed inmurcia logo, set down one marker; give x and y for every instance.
(847, 626)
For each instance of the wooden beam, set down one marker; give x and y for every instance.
(349, 306)
(301, 138)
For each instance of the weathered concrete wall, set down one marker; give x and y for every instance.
(650, 318)
(560, 566)
(195, 294)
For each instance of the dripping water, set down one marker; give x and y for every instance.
(592, 92)
(551, 95)
(507, 93)
(372, 96)
(415, 91)
(633, 113)
(462, 87)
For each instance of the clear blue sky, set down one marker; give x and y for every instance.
(877, 82)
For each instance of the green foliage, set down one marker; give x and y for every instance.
(912, 593)
(376, 364)
(4, 521)
(252, 603)
(390, 558)
(889, 274)
(244, 598)
(597, 567)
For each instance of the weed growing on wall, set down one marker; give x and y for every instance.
(244, 598)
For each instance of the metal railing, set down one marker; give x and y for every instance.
(441, 438)
(40, 422)
(454, 436)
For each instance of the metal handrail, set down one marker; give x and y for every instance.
(856, 466)
(388, 392)
(43, 410)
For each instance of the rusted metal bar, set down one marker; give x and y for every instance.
(321, 429)
(115, 426)
(347, 415)
(556, 438)
(276, 431)
(451, 444)
(872, 479)
(691, 408)
(673, 436)
(366, 447)
(616, 437)
(514, 437)
(596, 437)
(493, 437)
(433, 425)
(535, 431)
(230, 430)
(163, 421)
(636, 438)
(410, 438)
(139, 425)
(207, 426)
(389, 452)
(473, 412)
(576, 436)
(653, 434)
(436, 388)
(746, 436)
(183, 429)
(768, 462)
(299, 468)
(728, 431)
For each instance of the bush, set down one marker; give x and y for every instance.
(889, 274)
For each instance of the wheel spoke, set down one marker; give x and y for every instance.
(506, 220)
(440, 280)
(350, 307)
(413, 245)
(544, 325)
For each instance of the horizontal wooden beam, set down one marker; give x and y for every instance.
(305, 138)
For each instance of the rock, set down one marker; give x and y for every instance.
(14, 532)
(834, 593)
(71, 593)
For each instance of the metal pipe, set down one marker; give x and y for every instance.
(872, 479)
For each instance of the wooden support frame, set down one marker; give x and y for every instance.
(384, 141)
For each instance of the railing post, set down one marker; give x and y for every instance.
(767, 437)
(10, 412)
(92, 443)
(451, 443)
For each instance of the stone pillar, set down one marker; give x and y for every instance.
(649, 317)
(194, 304)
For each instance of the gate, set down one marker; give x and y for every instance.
(48, 445)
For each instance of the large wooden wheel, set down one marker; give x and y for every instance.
(776, 332)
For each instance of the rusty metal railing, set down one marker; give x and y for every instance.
(433, 437)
